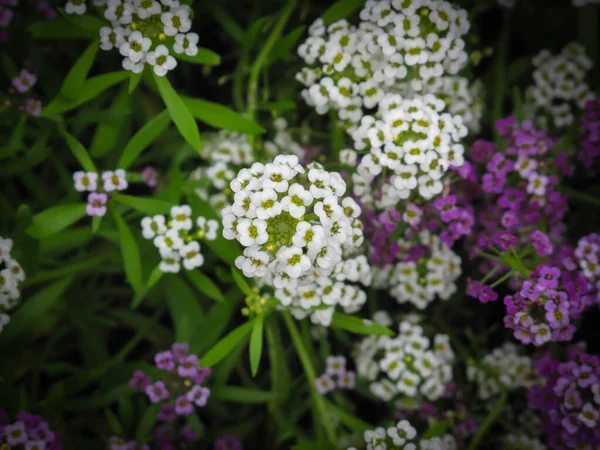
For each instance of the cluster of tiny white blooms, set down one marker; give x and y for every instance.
(282, 142)
(410, 142)
(108, 181)
(503, 368)
(559, 88)
(228, 147)
(351, 68)
(433, 275)
(11, 275)
(355, 269)
(403, 436)
(522, 441)
(140, 28)
(292, 221)
(406, 365)
(177, 238)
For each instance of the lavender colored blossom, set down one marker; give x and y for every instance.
(96, 204)
(24, 82)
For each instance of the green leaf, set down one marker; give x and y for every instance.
(181, 115)
(256, 344)
(34, 309)
(134, 81)
(220, 116)
(186, 312)
(154, 278)
(241, 281)
(79, 151)
(147, 422)
(173, 191)
(242, 395)
(204, 285)
(75, 79)
(488, 422)
(227, 344)
(147, 205)
(353, 423)
(341, 10)
(85, 22)
(283, 105)
(518, 104)
(204, 56)
(113, 421)
(59, 29)
(226, 22)
(280, 372)
(91, 89)
(9, 67)
(358, 325)
(437, 429)
(286, 44)
(108, 134)
(130, 253)
(143, 138)
(56, 219)
(96, 221)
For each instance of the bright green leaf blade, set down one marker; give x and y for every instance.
(226, 345)
(143, 138)
(96, 221)
(242, 395)
(79, 151)
(256, 344)
(34, 309)
(220, 116)
(204, 285)
(183, 119)
(146, 205)
(134, 81)
(186, 312)
(130, 253)
(437, 429)
(56, 219)
(280, 372)
(241, 281)
(73, 84)
(341, 10)
(204, 56)
(358, 325)
(154, 278)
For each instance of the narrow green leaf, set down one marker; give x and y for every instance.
(134, 81)
(130, 253)
(256, 344)
(437, 429)
(143, 138)
(107, 135)
(186, 312)
(183, 119)
(286, 44)
(75, 79)
(283, 105)
(242, 395)
(220, 116)
(204, 56)
(353, 423)
(241, 281)
(204, 285)
(113, 421)
(341, 10)
(226, 21)
(488, 422)
(147, 422)
(227, 344)
(147, 205)
(154, 278)
(79, 151)
(59, 29)
(518, 104)
(358, 325)
(280, 372)
(34, 309)
(173, 191)
(91, 89)
(96, 221)
(56, 219)
(85, 22)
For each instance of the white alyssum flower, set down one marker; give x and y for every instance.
(161, 61)
(85, 181)
(177, 238)
(77, 7)
(114, 180)
(11, 276)
(186, 43)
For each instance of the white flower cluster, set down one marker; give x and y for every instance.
(503, 368)
(177, 239)
(522, 441)
(352, 68)
(11, 274)
(403, 436)
(110, 181)
(420, 282)
(560, 88)
(412, 143)
(139, 26)
(292, 222)
(405, 365)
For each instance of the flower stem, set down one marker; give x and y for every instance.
(488, 422)
(309, 371)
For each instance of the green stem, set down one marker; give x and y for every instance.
(488, 422)
(309, 371)
(262, 57)
(336, 136)
(502, 279)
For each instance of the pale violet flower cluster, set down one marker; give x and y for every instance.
(408, 365)
(352, 68)
(410, 144)
(177, 238)
(403, 436)
(292, 221)
(421, 281)
(140, 29)
(99, 186)
(559, 88)
(11, 275)
(502, 369)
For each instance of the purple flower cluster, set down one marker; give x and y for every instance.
(336, 376)
(379, 229)
(570, 399)
(181, 389)
(590, 142)
(29, 430)
(150, 176)
(167, 438)
(22, 84)
(228, 442)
